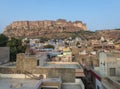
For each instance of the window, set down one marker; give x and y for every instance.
(37, 62)
(112, 71)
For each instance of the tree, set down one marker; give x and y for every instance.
(3, 40)
(78, 43)
(49, 46)
(15, 47)
(42, 40)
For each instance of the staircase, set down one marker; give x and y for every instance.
(30, 75)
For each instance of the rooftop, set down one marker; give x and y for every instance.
(71, 86)
(73, 65)
(10, 83)
(106, 83)
(109, 82)
(77, 85)
(52, 80)
(9, 64)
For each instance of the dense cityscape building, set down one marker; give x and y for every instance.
(57, 63)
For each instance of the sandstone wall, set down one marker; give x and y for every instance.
(29, 64)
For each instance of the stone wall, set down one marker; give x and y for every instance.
(7, 70)
(4, 54)
(26, 63)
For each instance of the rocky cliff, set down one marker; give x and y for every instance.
(41, 28)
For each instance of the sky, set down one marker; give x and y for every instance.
(97, 14)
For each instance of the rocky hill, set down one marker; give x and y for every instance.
(57, 29)
(42, 28)
(111, 34)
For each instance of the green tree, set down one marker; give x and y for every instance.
(42, 39)
(3, 40)
(15, 47)
(78, 43)
(49, 46)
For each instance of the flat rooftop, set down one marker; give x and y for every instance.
(10, 83)
(116, 78)
(9, 64)
(77, 85)
(74, 65)
(52, 80)
(108, 85)
(71, 86)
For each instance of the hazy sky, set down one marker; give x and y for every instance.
(97, 14)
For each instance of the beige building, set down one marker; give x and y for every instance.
(29, 66)
(54, 75)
